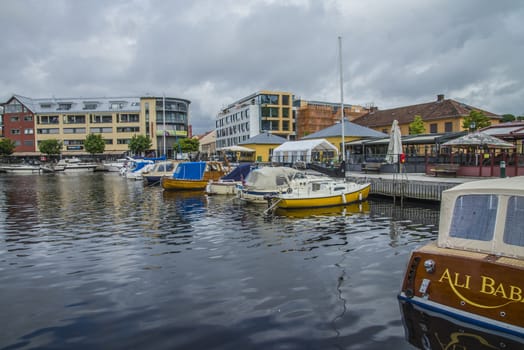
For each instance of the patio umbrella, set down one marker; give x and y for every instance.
(479, 138)
(395, 144)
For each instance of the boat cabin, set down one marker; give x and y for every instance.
(484, 216)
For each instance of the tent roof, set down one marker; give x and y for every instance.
(306, 145)
(479, 138)
(236, 149)
(350, 130)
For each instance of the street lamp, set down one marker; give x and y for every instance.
(472, 126)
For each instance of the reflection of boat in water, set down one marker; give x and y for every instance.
(353, 208)
(427, 329)
(190, 176)
(474, 272)
(186, 202)
(229, 184)
(306, 191)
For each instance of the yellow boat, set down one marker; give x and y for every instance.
(306, 191)
(474, 271)
(193, 176)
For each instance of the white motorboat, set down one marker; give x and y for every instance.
(263, 182)
(74, 165)
(20, 168)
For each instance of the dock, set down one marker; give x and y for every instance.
(408, 186)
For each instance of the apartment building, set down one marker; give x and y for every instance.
(28, 121)
(263, 111)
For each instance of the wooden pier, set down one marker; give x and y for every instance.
(408, 186)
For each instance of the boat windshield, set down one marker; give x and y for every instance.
(474, 217)
(514, 230)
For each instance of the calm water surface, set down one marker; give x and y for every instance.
(98, 261)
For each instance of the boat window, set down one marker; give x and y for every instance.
(315, 187)
(514, 230)
(280, 180)
(474, 217)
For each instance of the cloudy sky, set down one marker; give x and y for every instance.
(214, 52)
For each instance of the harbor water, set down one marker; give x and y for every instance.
(95, 261)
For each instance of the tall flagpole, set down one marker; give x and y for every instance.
(341, 99)
(164, 120)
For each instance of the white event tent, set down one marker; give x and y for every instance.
(292, 151)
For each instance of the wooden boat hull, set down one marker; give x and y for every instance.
(359, 194)
(427, 329)
(484, 289)
(183, 185)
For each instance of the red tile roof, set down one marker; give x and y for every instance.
(440, 109)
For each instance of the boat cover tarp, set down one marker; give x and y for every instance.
(190, 171)
(239, 173)
(269, 178)
(292, 151)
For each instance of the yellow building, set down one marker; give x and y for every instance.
(263, 144)
(70, 120)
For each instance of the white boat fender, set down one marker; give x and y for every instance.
(360, 196)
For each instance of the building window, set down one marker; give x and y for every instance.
(45, 105)
(270, 112)
(28, 143)
(285, 100)
(74, 119)
(285, 112)
(64, 106)
(90, 105)
(29, 131)
(48, 131)
(15, 131)
(285, 125)
(108, 141)
(73, 142)
(433, 128)
(15, 119)
(448, 127)
(122, 141)
(13, 107)
(128, 129)
(74, 130)
(28, 118)
(101, 130)
(269, 99)
(101, 119)
(129, 118)
(48, 119)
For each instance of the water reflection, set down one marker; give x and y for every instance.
(98, 261)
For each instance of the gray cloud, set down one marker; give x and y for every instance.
(213, 52)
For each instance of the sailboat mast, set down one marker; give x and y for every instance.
(341, 99)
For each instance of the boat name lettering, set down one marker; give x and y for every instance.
(486, 285)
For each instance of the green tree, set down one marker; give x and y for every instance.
(417, 126)
(7, 146)
(507, 118)
(50, 147)
(94, 143)
(139, 144)
(187, 145)
(475, 120)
